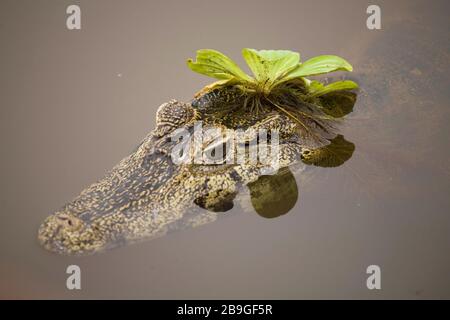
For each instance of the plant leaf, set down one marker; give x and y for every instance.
(317, 89)
(215, 64)
(270, 65)
(319, 65)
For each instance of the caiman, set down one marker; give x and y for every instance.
(147, 195)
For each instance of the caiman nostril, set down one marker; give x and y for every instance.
(68, 222)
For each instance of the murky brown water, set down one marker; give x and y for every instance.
(74, 103)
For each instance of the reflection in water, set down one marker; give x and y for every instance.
(275, 195)
(333, 155)
(338, 104)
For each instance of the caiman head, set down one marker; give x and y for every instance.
(148, 194)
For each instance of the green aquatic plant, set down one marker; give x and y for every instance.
(279, 78)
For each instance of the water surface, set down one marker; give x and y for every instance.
(74, 103)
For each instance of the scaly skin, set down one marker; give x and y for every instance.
(147, 194)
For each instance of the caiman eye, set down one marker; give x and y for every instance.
(217, 152)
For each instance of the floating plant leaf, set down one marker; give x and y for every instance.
(271, 68)
(319, 65)
(217, 65)
(270, 65)
(317, 89)
(276, 76)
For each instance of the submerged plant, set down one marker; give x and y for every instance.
(279, 79)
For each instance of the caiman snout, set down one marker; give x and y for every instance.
(111, 211)
(66, 234)
(68, 222)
